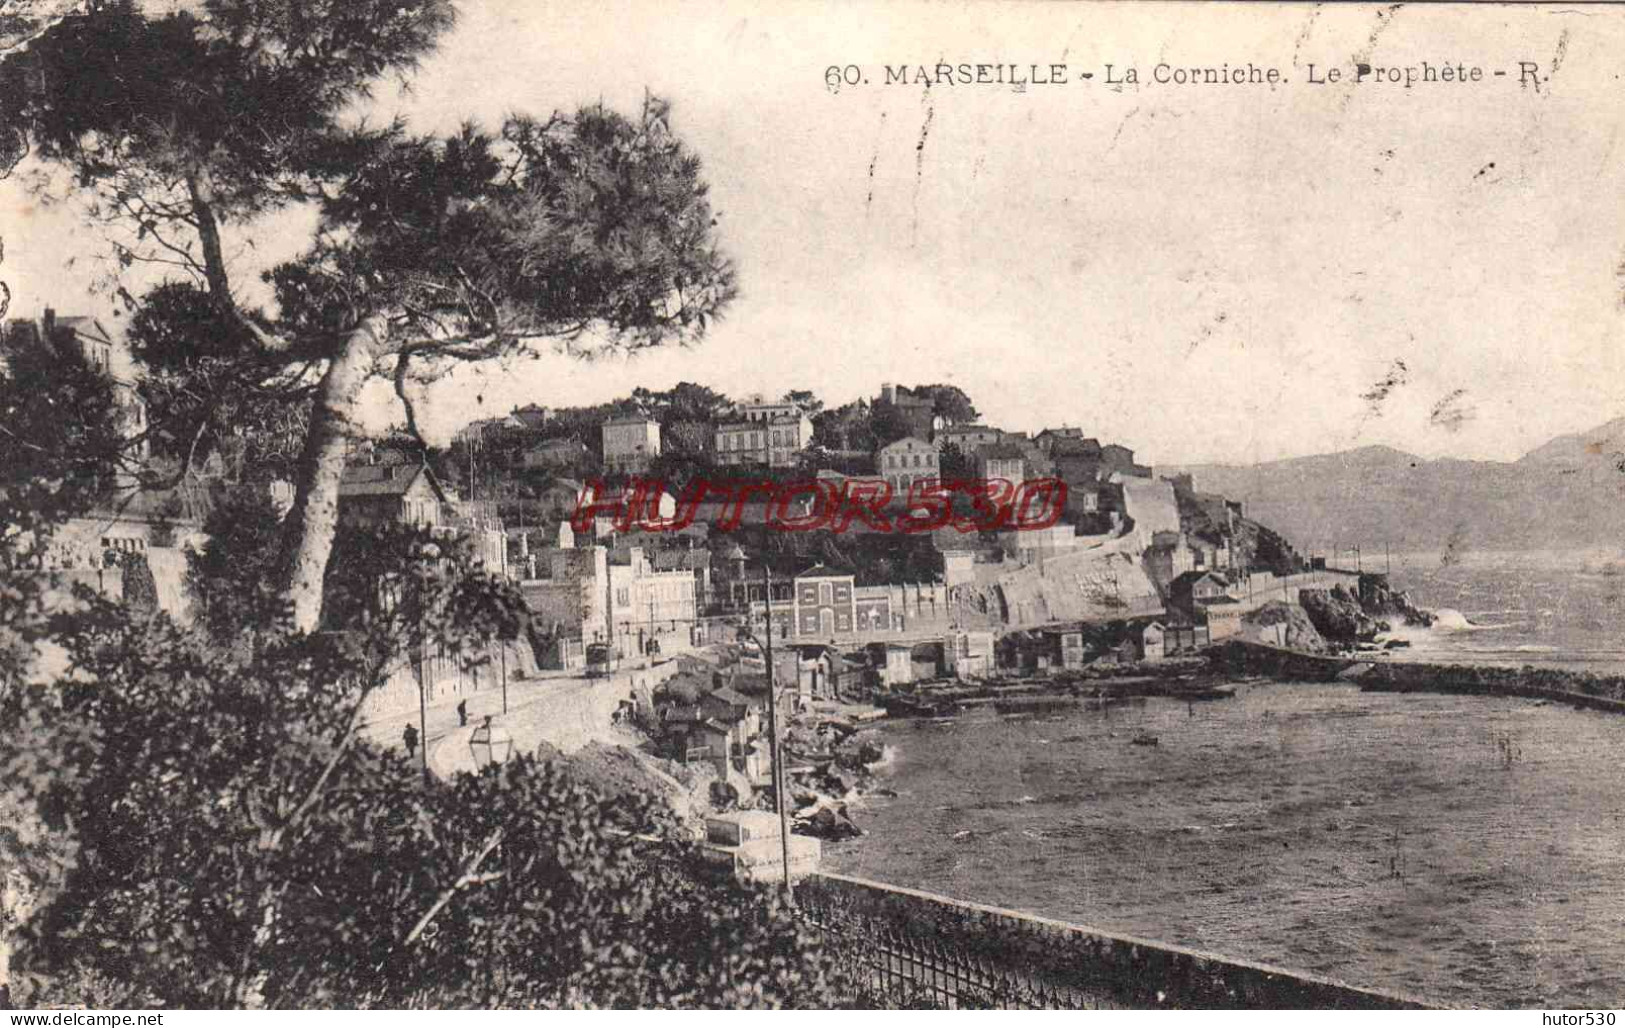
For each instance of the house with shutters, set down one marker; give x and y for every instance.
(906, 461)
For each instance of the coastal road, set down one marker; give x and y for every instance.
(567, 711)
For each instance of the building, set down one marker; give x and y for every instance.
(1002, 461)
(1046, 440)
(567, 599)
(823, 674)
(968, 438)
(532, 415)
(695, 561)
(787, 436)
(968, 654)
(1026, 545)
(896, 664)
(741, 442)
(821, 603)
(1115, 459)
(631, 444)
(1223, 618)
(724, 730)
(1182, 638)
(824, 603)
(379, 494)
(958, 567)
(651, 606)
(918, 413)
(1196, 589)
(1151, 639)
(475, 431)
(87, 336)
(756, 409)
(776, 441)
(1168, 557)
(1077, 460)
(906, 461)
(555, 454)
(1062, 647)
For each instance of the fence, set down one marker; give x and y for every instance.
(913, 949)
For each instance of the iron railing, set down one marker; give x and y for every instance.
(904, 948)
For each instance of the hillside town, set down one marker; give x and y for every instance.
(1136, 571)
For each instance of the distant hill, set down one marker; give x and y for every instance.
(1604, 441)
(1566, 494)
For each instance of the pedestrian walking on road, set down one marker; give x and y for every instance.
(462, 713)
(410, 738)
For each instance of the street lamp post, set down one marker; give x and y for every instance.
(490, 744)
(502, 651)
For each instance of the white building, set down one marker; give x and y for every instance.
(630, 444)
(905, 461)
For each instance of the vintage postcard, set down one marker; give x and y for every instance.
(818, 505)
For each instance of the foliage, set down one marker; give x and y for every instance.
(483, 241)
(949, 403)
(59, 420)
(396, 589)
(237, 843)
(806, 399)
(954, 463)
(229, 578)
(887, 423)
(171, 125)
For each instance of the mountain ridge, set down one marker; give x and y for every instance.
(1567, 493)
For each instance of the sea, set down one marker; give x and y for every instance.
(1467, 851)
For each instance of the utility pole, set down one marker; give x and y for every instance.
(609, 608)
(773, 736)
(502, 651)
(423, 704)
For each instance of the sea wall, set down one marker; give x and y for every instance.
(1580, 688)
(1385, 674)
(914, 945)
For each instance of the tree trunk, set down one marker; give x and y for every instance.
(201, 188)
(307, 533)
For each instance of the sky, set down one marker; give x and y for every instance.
(1204, 273)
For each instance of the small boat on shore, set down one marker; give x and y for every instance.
(1144, 739)
(1034, 704)
(919, 706)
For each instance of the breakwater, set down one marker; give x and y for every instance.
(1384, 674)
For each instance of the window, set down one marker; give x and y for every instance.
(826, 594)
(916, 460)
(623, 597)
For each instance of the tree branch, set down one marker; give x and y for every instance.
(467, 878)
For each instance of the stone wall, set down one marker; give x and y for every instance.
(967, 954)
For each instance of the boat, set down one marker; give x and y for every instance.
(1202, 692)
(917, 706)
(1144, 739)
(1033, 704)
